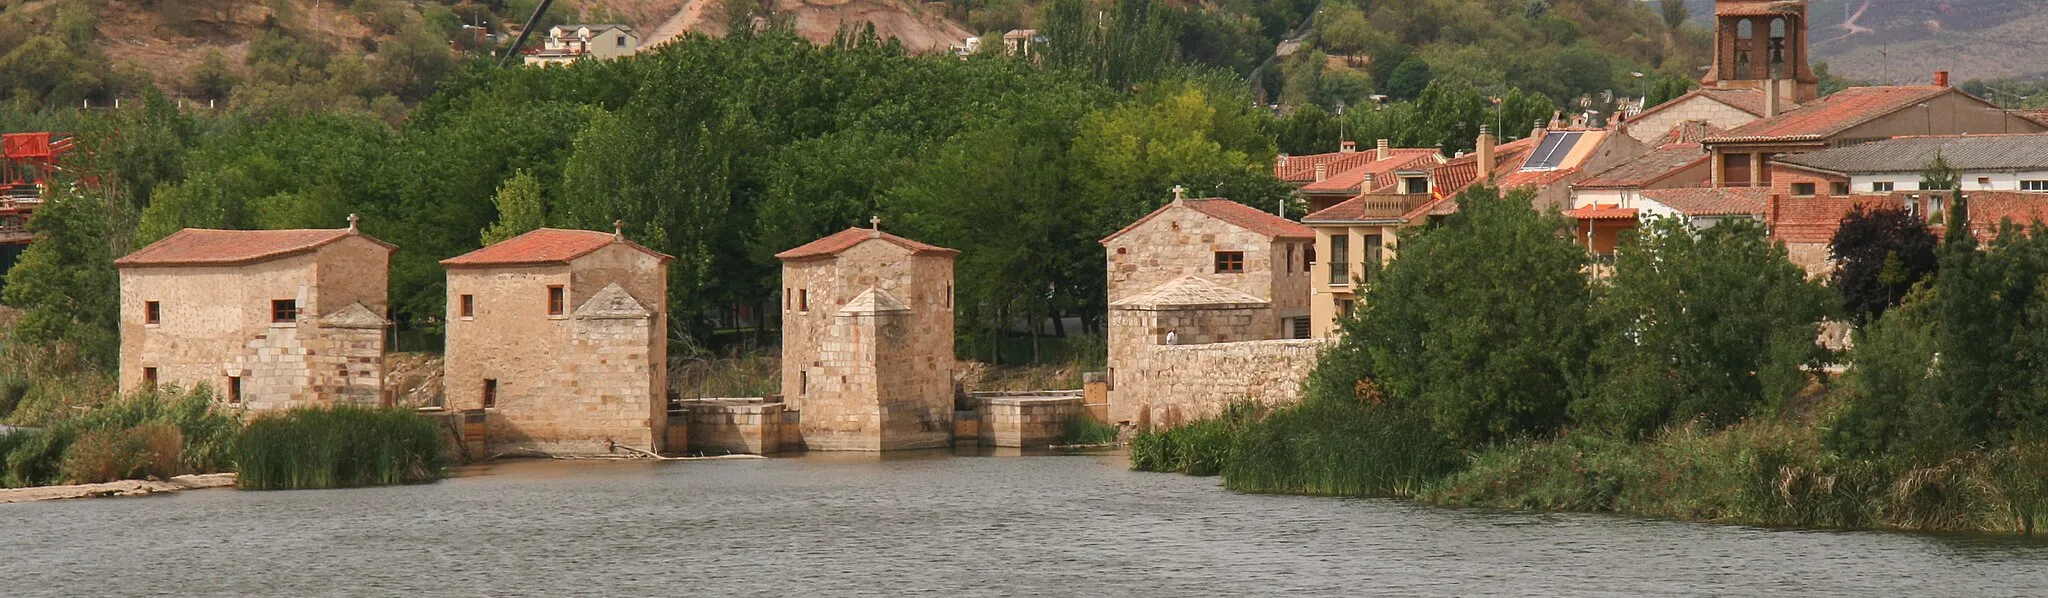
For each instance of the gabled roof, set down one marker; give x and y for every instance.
(543, 246)
(1746, 100)
(1967, 153)
(2036, 115)
(874, 301)
(211, 247)
(1191, 292)
(1822, 118)
(1691, 131)
(1455, 175)
(1349, 181)
(843, 240)
(1236, 214)
(612, 303)
(1647, 168)
(1702, 201)
(1302, 169)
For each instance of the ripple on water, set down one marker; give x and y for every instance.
(932, 525)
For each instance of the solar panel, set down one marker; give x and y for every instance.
(1552, 151)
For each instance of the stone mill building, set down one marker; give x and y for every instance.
(560, 337)
(867, 341)
(270, 319)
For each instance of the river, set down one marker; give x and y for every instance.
(931, 524)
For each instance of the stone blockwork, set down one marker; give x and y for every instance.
(567, 376)
(1026, 420)
(1169, 385)
(736, 426)
(1183, 239)
(867, 347)
(203, 307)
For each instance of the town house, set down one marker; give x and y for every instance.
(569, 43)
(270, 319)
(1228, 243)
(560, 338)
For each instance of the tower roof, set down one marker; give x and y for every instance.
(211, 247)
(544, 246)
(841, 241)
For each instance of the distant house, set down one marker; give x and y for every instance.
(569, 43)
(559, 338)
(1743, 156)
(1984, 163)
(1563, 156)
(270, 319)
(1326, 180)
(1717, 108)
(1226, 243)
(1018, 42)
(1807, 225)
(1598, 226)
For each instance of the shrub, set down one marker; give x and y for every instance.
(1085, 429)
(119, 454)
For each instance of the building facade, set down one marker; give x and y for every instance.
(269, 319)
(560, 337)
(1228, 243)
(569, 43)
(867, 341)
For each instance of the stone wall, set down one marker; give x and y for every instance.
(1183, 242)
(735, 426)
(1174, 384)
(1649, 127)
(1027, 420)
(1134, 333)
(877, 377)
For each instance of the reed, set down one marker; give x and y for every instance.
(338, 447)
(1083, 429)
(1338, 449)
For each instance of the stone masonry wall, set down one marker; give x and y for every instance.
(1133, 333)
(1723, 116)
(913, 389)
(1184, 242)
(1175, 384)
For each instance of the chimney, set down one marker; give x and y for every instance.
(1772, 99)
(1386, 150)
(1941, 78)
(1347, 147)
(1280, 161)
(1537, 132)
(1485, 150)
(1322, 171)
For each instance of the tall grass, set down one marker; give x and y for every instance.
(1338, 449)
(1200, 447)
(337, 447)
(1084, 429)
(157, 432)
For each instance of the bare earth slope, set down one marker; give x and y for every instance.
(919, 30)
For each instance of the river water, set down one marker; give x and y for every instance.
(931, 524)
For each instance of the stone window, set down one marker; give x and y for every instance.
(234, 389)
(284, 311)
(468, 306)
(2034, 185)
(490, 393)
(1290, 258)
(1802, 189)
(949, 296)
(803, 383)
(557, 300)
(1881, 186)
(1229, 262)
(149, 376)
(803, 300)
(152, 313)
(1340, 258)
(1838, 188)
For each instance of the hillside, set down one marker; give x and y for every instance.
(1901, 41)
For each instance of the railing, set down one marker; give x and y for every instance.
(1390, 205)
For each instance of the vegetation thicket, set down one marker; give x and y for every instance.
(338, 447)
(1685, 384)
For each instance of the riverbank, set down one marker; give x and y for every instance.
(118, 488)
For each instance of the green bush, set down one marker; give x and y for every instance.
(118, 454)
(338, 447)
(156, 432)
(1338, 449)
(1083, 429)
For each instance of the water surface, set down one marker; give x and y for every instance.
(932, 525)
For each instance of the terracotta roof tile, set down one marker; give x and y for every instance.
(1691, 131)
(1302, 169)
(1605, 211)
(210, 247)
(1349, 181)
(1647, 168)
(2039, 116)
(1237, 214)
(843, 240)
(1815, 219)
(1703, 201)
(1832, 114)
(1455, 175)
(1374, 207)
(542, 246)
(1758, 8)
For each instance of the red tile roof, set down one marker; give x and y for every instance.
(542, 246)
(1746, 100)
(2039, 116)
(1302, 169)
(209, 247)
(1691, 131)
(1237, 214)
(1815, 219)
(843, 240)
(1370, 207)
(1605, 211)
(1349, 181)
(1702, 201)
(1832, 114)
(1454, 176)
(1647, 168)
(1758, 8)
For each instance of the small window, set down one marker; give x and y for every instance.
(1802, 189)
(149, 377)
(234, 389)
(2034, 185)
(622, 41)
(949, 296)
(469, 306)
(490, 393)
(786, 298)
(803, 383)
(1344, 307)
(1375, 253)
(1838, 188)
(1290, 258)
(1229, 262)
(284, 311)
(152, 312)
(1415, 185)
(1308, 257)
(1340, 258)
(1881, 187)
(1984, 182)
(557, 300)
(803, 300)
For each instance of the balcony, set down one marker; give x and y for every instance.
(1379, 206)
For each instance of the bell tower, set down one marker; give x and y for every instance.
(1762, 45)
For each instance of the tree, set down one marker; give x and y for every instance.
(65, 282)
(1708, 323)
(1674, 13)
(212, 77)
(519, 209)
(1409, 79)
(1481, 323)
(1879, 254)
(1939, 175)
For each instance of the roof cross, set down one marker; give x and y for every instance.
(1179, 192)
(875, 221)
(619, 230)
(352, 220)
